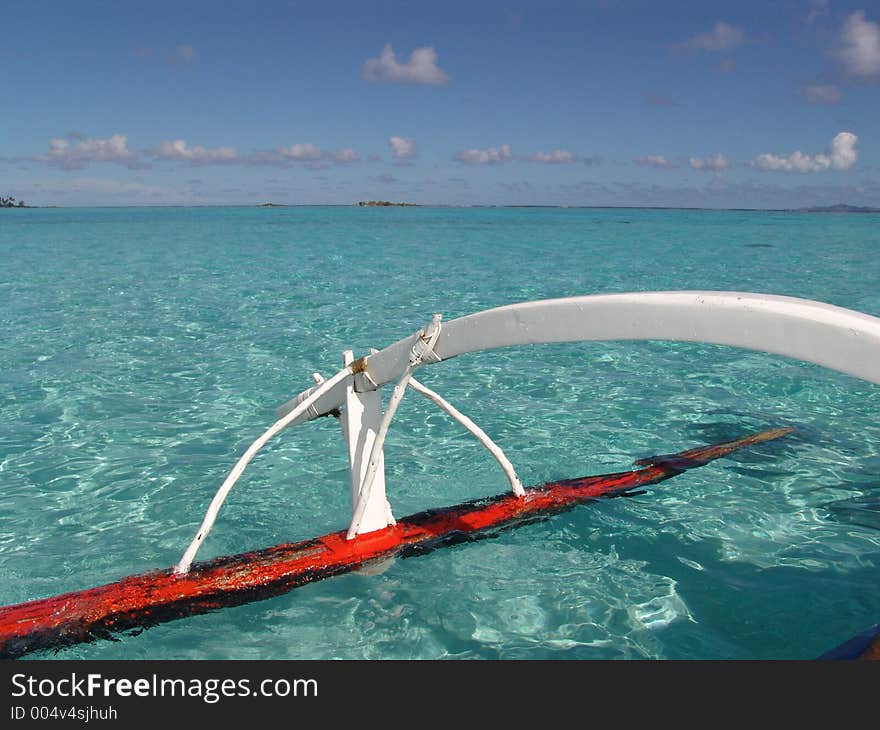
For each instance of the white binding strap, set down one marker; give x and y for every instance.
(211, 515)
(423, 349)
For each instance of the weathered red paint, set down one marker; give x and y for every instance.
(872, 651)
(144, 600)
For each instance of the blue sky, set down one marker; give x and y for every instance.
(597, 102)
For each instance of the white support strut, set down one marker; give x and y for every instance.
(214, 508)
(493, 448)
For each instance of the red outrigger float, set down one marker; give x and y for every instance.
(151, 598)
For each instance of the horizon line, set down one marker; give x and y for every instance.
(807, 208)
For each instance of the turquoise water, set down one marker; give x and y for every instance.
(142, 350)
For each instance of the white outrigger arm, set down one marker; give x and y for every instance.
(834, 337)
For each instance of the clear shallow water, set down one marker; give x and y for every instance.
(142, 350)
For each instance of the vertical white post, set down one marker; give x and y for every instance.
(360, 424)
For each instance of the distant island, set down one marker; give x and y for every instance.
(384, 204)
(10, 202)
(839, 208)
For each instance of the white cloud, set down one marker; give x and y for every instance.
(843, 151)
(713, 163)
(795, 162)
(859, 48)
(198, 155)
(722, 37)
(76, 152)
(345, 156)
(822, 93)
(654, 161)
(302, 152)
(402, 147)
(491, 156)
(421, 68)
(841, 155)
(555, 157)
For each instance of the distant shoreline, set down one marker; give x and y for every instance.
(838, 209)
(385, 204)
